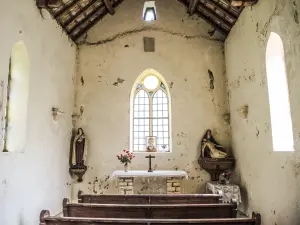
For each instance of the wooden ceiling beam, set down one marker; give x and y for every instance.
(97, 10)
(65, 9)
(213, 24)
(192, 7)
(74, 17)
(49, 3)
(94, 22)
(206, 19)
(213, 16)
(109, 7)
(216, 6)
(228, 7)
(85, 29)
(238, 3)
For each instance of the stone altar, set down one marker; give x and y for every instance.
(126, 179)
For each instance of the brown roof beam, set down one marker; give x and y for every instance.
(85, 29)
(213, 24)
(192, 7)
(214, 16)
(109, 7)
(49, 3)
(225, 4)
(94, 22)
(65, 9)
(216, 6)
(243, 2)
(207, 19)
(97, 10)
(74, 17)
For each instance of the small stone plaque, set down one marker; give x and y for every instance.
(149, 44)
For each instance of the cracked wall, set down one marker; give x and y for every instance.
(183, 55)
(269, 180)
(38, 178)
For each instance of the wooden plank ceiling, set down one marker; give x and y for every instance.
(76, 17)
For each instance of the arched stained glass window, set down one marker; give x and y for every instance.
(150, 112)
(281, 121)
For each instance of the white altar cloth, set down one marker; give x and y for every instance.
(144, 173)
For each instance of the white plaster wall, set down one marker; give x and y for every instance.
(270, 180)
(38, 178)
(183, 62)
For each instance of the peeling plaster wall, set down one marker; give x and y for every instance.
(38, 178)
(107, 72)
(270, 180)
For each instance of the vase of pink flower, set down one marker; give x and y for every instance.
(125, 158)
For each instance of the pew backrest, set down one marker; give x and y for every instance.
(149, 199)
(149, 211)
(46, 219)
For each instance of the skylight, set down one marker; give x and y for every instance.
(149, 11)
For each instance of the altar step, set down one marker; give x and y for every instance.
(147, 210)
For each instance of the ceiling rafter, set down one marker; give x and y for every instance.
(94, 22)
(213, 24)
(216, 6)
(225, 4)
(109, 7)
(98, 10)
(65, 8)
(243, 2)
(193, 6)
(79, 13)
(206, 15)
(89, 26)
(76, 17)
(213, 16)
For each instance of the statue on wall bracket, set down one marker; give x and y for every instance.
(214, 158)
(78, 155)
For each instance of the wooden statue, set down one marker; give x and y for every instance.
(79, 151)
(211, 148)
(78, 155)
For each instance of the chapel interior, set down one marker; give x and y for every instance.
(149, 112)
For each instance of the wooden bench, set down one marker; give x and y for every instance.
(149, 211)
(46, 219)
(149, 199)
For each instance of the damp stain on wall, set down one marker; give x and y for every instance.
(119, 81)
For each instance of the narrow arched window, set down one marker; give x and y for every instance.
(16, 100)
(150, 114)
(281, 122)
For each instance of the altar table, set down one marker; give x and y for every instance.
(126, 179)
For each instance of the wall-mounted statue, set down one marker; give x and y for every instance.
(214, 158)
(211, 148)
(79, 154)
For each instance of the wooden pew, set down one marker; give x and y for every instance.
(149, 211)
(149, 199)
(46, 219)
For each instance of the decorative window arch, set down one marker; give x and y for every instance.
(150, 113)
(17, 99)
(281, 121)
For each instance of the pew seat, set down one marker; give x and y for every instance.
(149, 199)
(46, 219)
(149, 211)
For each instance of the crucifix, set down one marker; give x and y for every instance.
(150, 157)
